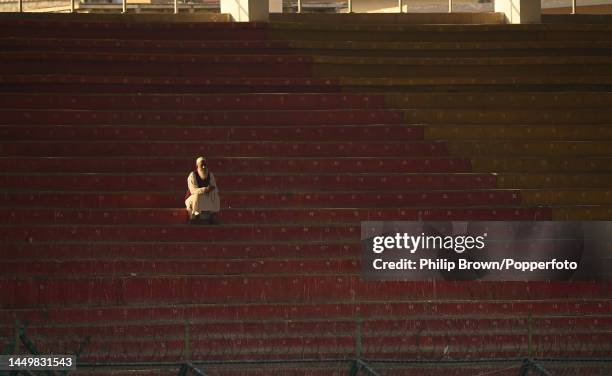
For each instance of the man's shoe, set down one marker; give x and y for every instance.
(195, 220)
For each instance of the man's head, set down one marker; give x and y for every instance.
(201, 163)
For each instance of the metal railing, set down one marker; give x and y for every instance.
(373, 367)
(21, 338)
(72, 6)
(400, 6)
(298, 6)
(187, 365)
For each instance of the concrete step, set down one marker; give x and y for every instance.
(438, 33)
(252, 200)
(304, 182)
(542, 165)
(584, 213)
(559, 180)
(323, 133)
(571, 309)
(178, 216)
(185, 65)
(303, 101)
(197, 84)
(245, 61)
(500, 100)
(543, 323)
(270, 199)
(145, 65)
(288, 347)
(305, 117)
(455, 67)
(487, 48)
(194, 102)
(241, 149)
(284, 165)
(169, 84)
(71, 293)
(506, 117)
(174, 251)
(117, 268)
(267, 182)
(591, 197)
(179, 233)
(482, 148)
(166, 45)
(517, 132)
(303, 47)
(474, 83)
(289, 118)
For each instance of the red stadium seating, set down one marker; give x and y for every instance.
(308, 134)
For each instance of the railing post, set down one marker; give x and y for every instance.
(350, 6)
(573, 6)
(529, 335)
(17, 325)
(124, 6)
(400, 5)
(541, 370)
(186, 347)
(176, 10)
(450, 6)
(354, 368)
(71, 6)
(358, 337)
(20, 5)
(299, 5)
(524, 370)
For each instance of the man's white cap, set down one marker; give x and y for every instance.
(199, 160)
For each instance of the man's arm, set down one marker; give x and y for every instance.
(191, 184)
(213, 184)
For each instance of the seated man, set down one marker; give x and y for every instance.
(202, 198)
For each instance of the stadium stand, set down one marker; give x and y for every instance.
(309, 128)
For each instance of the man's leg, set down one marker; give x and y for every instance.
(192, 209)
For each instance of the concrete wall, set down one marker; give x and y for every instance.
(246, 10)
(276, 6)
(520, 11)
(379, 6)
